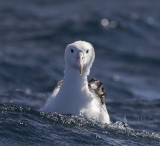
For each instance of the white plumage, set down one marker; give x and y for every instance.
(73, 96)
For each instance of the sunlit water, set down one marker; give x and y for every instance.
(125, 36)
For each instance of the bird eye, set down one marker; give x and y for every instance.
(87, 51)
(72, 50)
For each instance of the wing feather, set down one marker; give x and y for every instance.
(95, 86)
(57, 88)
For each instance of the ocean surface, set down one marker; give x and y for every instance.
(126, 38)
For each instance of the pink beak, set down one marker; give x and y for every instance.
(79, 60)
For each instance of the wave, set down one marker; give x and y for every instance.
(76, 121)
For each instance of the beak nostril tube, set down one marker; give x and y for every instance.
(79, 61)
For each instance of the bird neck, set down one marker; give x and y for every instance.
(73, 77)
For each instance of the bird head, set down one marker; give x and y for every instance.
(80, 56)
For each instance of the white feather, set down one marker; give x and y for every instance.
(74, 96)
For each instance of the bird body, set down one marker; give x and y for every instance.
(75, 95)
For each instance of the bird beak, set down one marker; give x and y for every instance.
(79, 60)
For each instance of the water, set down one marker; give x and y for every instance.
(126, 37)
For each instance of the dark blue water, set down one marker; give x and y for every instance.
(33, 37)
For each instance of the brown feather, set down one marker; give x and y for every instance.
(99, 91)
(59, 84)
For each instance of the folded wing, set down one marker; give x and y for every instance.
(95, 86)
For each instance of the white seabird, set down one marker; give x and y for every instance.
(75, 95)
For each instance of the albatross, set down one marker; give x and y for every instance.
(75, 94)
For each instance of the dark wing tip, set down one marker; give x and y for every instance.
(92, 79)
(99, 90)
(59, 84)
